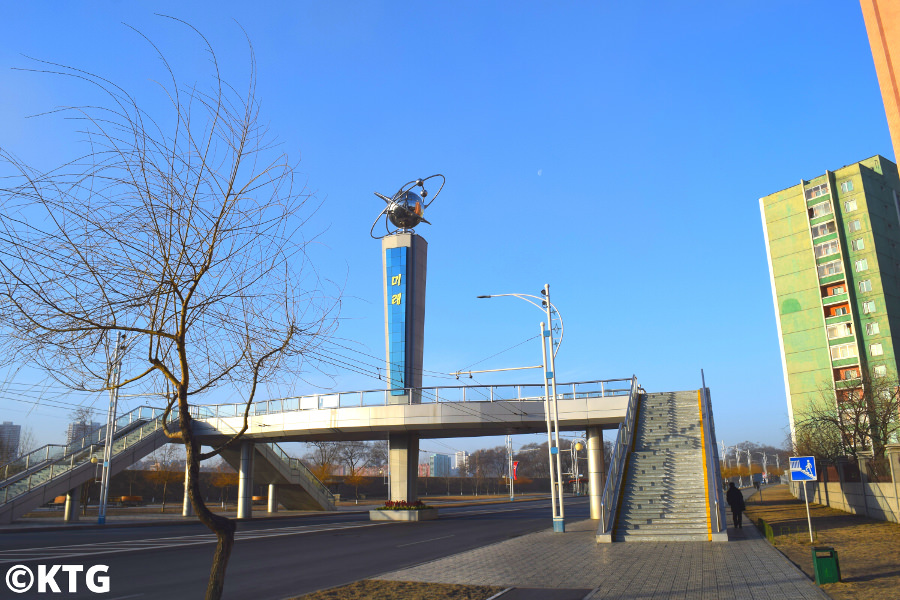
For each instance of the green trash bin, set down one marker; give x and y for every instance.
(826, 565)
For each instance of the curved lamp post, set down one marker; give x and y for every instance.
(543, 303)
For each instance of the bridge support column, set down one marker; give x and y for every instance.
(273, 498)
(404, 465)
(73, 499)
(596, 469)
(187, 510)
(245, 482)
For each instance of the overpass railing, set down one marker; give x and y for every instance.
(460, 393)
(610, 498)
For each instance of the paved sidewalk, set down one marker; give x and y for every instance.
(746, 567)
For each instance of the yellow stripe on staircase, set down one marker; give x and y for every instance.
(703, 455)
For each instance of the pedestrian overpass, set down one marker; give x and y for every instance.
(403, 418)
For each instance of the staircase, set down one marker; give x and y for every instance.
(298, 488)
(664, 493)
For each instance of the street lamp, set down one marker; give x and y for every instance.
(577, 445)
(551, 409)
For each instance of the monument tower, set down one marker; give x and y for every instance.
(404, 256)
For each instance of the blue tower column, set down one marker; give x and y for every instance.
(404, 263)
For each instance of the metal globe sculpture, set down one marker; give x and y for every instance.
(405, 209)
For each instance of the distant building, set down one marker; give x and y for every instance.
(460, 460)
(424, 470)
(9, 439)
(78, 430)
(439, 465)
(833, 244)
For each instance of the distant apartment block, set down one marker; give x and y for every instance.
(10, 435)
(78, 430)
(460, 460)
(439, 465)
(833, 247)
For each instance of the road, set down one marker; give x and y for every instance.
(272, 559)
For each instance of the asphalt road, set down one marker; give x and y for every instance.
(271, 559)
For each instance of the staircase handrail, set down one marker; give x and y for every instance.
(79, 456)
(22, 463)
(711, 452)
(610, 497)
(303, 471)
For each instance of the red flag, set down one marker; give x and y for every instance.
(515, 467)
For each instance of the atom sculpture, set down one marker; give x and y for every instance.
(406, 209)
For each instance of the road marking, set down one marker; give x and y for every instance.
(423, 541)
(81, 550)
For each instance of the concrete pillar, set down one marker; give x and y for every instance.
(404, 465)
(187, 509)
(596, 469)
(245, 482)
(273, 498)
(73, 500)
(862, 458)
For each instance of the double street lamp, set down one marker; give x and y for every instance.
(551, 408)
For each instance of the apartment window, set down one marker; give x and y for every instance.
(815, 192)
(839, 330)
(842, 351)
(836, 290)
(854, 225)
(849, 205)
(823, 229)
(858, 244)
(868, 306)
(876, 350)
(880, 370)
(830, 268)
(829, 247)
(820, 210)
(865, 285)
(847, 186)
(862, 265)
(872, 328)
(837, 311)
(849, 374)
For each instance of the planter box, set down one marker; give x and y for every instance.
(425, 514)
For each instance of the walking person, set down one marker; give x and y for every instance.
(735, 500)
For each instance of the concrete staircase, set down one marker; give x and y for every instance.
(664, 494)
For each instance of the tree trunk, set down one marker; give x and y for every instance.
(165, 485)
(223, 527)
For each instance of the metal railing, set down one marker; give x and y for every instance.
(21, 466)
(301, 471)
(460, 393)
(10, 490)
(610, 497)
(711, 452)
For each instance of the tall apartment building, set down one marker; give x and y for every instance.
(439, 465)
(10, 435)
(79, 429)
(833, 246)
(460, 459)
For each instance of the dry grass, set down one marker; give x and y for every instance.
(868, 550)
(373, 589)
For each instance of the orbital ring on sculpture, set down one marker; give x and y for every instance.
(406, 209)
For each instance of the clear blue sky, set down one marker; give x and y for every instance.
(614, 150)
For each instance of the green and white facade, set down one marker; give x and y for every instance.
(833, 246)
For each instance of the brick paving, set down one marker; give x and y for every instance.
(746, 567)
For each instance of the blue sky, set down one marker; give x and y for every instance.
(616, 151)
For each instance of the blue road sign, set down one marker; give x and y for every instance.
(803, 468)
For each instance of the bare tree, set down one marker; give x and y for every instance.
(165, 468)
(861, 414)
(180, 230)
(322, 458)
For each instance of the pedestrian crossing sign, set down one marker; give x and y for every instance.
(803, 468)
